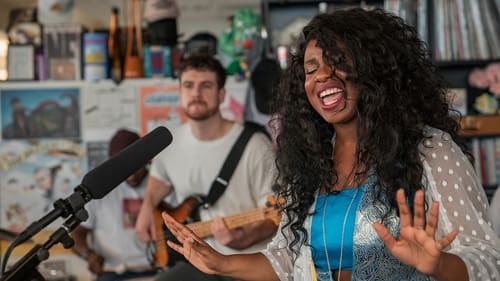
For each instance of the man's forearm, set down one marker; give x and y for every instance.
(155, 192)
(254, 233)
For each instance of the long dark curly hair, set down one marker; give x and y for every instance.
(401, 91)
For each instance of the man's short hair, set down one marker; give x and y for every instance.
(200, 61)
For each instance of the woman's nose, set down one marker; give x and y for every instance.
(323, 73)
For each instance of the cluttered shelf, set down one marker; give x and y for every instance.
(482, 133)
(480, 125)
(464, 63)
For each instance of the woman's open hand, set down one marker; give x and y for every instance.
(193, 248)
(416, 244)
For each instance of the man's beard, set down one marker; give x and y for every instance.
(201, 115)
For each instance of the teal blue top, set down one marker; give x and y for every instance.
(330, 212)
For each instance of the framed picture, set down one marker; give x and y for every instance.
(47, 111)
(21, 62)
(458, 100)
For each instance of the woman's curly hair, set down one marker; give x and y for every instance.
(400, 93)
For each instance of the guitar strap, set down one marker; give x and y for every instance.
(219, 184)
(222, 180)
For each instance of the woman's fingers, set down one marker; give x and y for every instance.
(179, 230)
(418, 220)
(432, 220)
(446, 240)
(404, 210)
(419, 210)
(385, 235)
(178, 248)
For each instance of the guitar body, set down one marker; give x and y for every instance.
(186, 213)
(183, 213)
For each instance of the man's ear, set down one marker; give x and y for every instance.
(222, 95)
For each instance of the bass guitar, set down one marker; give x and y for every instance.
(161, 256)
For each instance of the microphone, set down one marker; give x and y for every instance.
(101, 180)
(95, 185)
(104, 178)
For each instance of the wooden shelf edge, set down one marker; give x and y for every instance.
(480, 125)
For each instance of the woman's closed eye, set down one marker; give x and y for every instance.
(310, 70)
(310, 66)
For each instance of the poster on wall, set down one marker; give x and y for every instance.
(107, 107)
(40, 113)
(160, 106)
(97, 153)
(234, 103)
(33, 175)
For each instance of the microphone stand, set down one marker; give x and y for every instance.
(62, 208)
(26, 268)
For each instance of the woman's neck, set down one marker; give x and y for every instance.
(345, 162)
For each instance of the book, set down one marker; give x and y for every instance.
(491, 23)
(497, 159)
(464, 30)
(475, 145)
(481, 44)
(21, 62)
(62, 45)
(490, 155)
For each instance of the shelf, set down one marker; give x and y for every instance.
(464, 63)
(315, 2)
(480, 125)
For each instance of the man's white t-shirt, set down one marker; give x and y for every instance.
(112, 220)
(190, 166)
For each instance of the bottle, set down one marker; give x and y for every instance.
(133, 58)
(114, 47)
(95, 58)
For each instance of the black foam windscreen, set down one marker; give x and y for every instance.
(103, 178)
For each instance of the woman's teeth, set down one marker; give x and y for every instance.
(330, 96)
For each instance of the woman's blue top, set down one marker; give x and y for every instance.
(330, 212)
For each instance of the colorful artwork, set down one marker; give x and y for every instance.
(34, 174)
(160, 106)
(131, 207)
(458, 100)
(40, 113)
(234, 103)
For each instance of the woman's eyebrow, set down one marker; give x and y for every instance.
(310, 61)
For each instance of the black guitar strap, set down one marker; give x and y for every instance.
(219, 184)
(222, 180)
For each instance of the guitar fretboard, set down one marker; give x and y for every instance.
(202, 228)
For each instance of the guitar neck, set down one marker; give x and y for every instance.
(203, 228)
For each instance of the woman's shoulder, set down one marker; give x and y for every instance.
(439, 147)
(436, 139)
